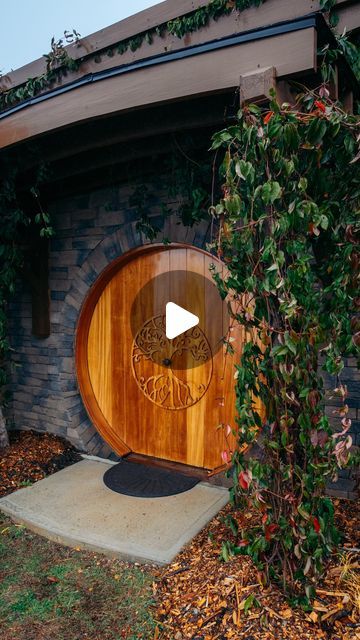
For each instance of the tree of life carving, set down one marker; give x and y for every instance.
(174, 374)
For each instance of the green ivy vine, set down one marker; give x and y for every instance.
(15, 224)
(288, 224)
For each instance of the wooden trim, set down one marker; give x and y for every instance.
(208, 73)
(349, 17)
(129, 129)
(82, 333)
(179, 467)
(215, 472)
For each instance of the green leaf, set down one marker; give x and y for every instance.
(245, 170)
(304, 514)
(303, 183)
(291, 136)
(225, 551)
(324, 222)
(249, 602)
(290, 343)
(271, 191)
(316, 130)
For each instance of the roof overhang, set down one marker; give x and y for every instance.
(212, 60)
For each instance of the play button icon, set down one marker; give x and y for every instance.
(178, 320)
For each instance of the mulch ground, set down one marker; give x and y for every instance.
(204, 599)
(31, 457)
(200, 598)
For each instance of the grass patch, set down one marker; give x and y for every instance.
(50, 591)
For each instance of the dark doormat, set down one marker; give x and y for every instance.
(141, 481)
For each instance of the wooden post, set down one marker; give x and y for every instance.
(40, 292)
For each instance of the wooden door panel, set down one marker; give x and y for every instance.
(172, 412)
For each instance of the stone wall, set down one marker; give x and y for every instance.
(350, 377)
(347, 485)
(91, 230)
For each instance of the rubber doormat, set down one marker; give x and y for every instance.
(141, 481)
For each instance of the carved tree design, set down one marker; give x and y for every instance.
(152, 349)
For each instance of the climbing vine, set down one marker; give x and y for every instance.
(288, 220)
(15, 225)
(58, 63)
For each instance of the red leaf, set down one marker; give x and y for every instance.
(314, 231)
(268, 117)
(270, 530)
(318, 437)
(316, 524)
(245, 478)
(243, 543)
(320, 105)
(313, 398)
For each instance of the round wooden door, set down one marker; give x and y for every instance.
(147, 394)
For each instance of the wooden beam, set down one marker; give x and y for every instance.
(348, 102)
(257, 86)
(349, 17)
(210, 72)
(38, 277)
(128, 128)
(119, 160)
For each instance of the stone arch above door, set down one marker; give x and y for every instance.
(80, 430)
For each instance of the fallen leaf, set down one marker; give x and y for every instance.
(313, 616)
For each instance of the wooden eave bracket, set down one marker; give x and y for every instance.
(256, 86)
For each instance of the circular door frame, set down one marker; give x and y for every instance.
(82, 332)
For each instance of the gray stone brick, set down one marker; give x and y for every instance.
(112, 218)
(63, 221)
(65, 258)
(343, 488)
(97, 259)
(58, 295)
(83, 214)
(76, 416)
(67, 365)
(87, 274)
(87, 242)
(87, 436)
(61, 244)
(78, 289)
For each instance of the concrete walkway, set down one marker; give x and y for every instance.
(74, 507)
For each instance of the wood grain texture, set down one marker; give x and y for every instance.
(209, 72)
(125, 415)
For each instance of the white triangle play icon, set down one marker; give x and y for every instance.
(178, 320)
